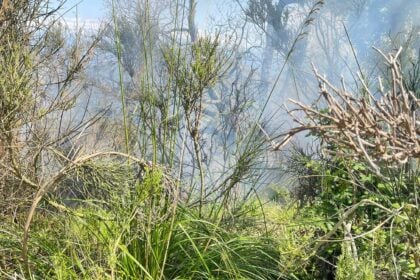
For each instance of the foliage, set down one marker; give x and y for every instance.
(348, 268)
(74, 207)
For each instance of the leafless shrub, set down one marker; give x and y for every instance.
(383, 130)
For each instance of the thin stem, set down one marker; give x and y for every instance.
(120, 75)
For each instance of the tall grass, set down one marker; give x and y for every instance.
(120, 78)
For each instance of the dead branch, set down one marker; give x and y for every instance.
(383, 131)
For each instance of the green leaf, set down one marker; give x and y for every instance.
(395, 205)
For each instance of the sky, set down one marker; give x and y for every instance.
(86, 9)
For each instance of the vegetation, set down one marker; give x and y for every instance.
(156, 185)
